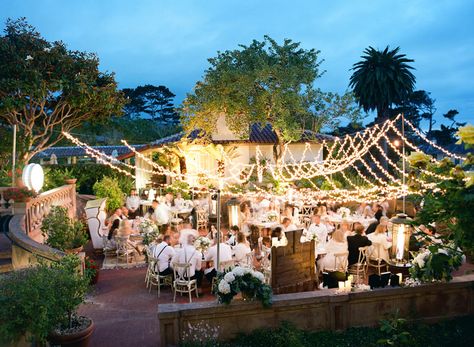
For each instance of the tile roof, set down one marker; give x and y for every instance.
(453, 148)
(74, 151)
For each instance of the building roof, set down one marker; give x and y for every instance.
(258, 135)
(75, 151)
(453, 148)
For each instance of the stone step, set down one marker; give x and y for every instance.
(5, 254)
(5, 265)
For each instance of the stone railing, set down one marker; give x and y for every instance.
(37, 208)
(316, 310)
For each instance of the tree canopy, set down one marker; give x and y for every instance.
(46, 89)
(264, 82)
(382, 79)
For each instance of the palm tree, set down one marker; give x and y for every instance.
(382, 79)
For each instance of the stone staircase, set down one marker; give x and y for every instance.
(5, 247)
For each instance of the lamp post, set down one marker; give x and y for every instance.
(14, 157)
(218, 228)
(401, 232)
(403, 163)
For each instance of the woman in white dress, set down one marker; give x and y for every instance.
(241, 250)
(379, 236)
(337, 244)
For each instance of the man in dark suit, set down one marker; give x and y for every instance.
(356, 241)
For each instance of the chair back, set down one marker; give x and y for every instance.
(307, 210)
(225, 265)
(340, 261)
(363, 251)
(376, 251)
(202, 216)
(181, 272)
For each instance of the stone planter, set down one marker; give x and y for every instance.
(70, 180)
(77, 339)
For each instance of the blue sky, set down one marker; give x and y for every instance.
(168, 42)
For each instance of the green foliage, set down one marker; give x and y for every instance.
(381, 79)
(262, 83)
(179, 187)
(46, 89)
(109, 188)
(36, 300)
(62, 232)
(395, 329)
(55, 177)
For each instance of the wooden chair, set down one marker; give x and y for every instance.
(202, 219)
(374, 260)
(109, 249)
(340, 261)
(360, 268)
(155, 279)
(182, 282)
(124, 250)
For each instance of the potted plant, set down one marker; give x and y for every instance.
(91, 271)
(109, 188)
(62, 232)
(18, 194)
(41, 302)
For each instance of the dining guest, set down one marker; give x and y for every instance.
(361, 209)
(318, 228)
(125, 213)
(179, 201)
(114, 222)
(385, 205)
(321, 210)
(241, 250)
(133, 204)
(287, 225)
(337, 244)
(225, 254)
(168, 199)
(279, 238)
(356, 241)
(231, 235)
(164, 252)
(161, 215)
(372, 226)
(151, 210)
(345, 227)
(245, 217)
(189, 254)
(379, 236)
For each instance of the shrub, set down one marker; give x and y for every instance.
(18, 194)
(37, 300)
(62, 232)
(108, 188)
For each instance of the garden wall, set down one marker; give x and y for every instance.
(316, 310)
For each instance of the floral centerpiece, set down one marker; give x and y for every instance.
(344, 212)
(310, 236)
(202, 243)
(272, 216)
(149, 231)
(243, 280)
(436, 263)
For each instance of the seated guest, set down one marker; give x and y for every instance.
(231, 239)
(378, 211)
(133, 204)
(161, 215)
(254, 236)
(151, 210)
(125, 214)
(188, 254)
(125, 230)
(356, 241)
(337, 244)
(225, 254)
(164, 253)
(321, 210)
(241, 250)
(318, 228)
(278, 237)
(179, 201)
(371, 228)
(361, 210)
(379, 237)
(286, 225)
(113, 222)
(245, 217)
(168, 199)
(345, 227)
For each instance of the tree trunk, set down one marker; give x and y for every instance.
(278, 148)
(382, 116)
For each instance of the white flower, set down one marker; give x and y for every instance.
(28, 57)
(224, 287)
(259, 275)
(229, 277)
(238, 271)
(443, 251)
(47, 49)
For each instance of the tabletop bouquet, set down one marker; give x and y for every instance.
(344, 212)
(436, 263)
(202, 243)
(250, 283)
(311, 235)
(149, 230)
(272, 216)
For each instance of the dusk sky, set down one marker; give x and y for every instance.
(168, 42)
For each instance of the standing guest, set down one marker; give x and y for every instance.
(189, 254)
(133, 204)
(356, 241)
(114, 222)
(241, 250)
(164, 253)
(337, 244)
(225, 254)
(286, 225)
(319, 229)
(380, 237)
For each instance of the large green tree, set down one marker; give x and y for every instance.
(264, 82)
(381, 80)
(46, 89)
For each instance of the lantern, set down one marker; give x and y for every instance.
(233, 206)
(401, 232)
(33, 177)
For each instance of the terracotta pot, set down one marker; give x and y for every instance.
(70, 180)
(78, 339)
(74, 250)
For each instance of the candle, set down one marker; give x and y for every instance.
(350, 278)
(400, 278)
(341, 284)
